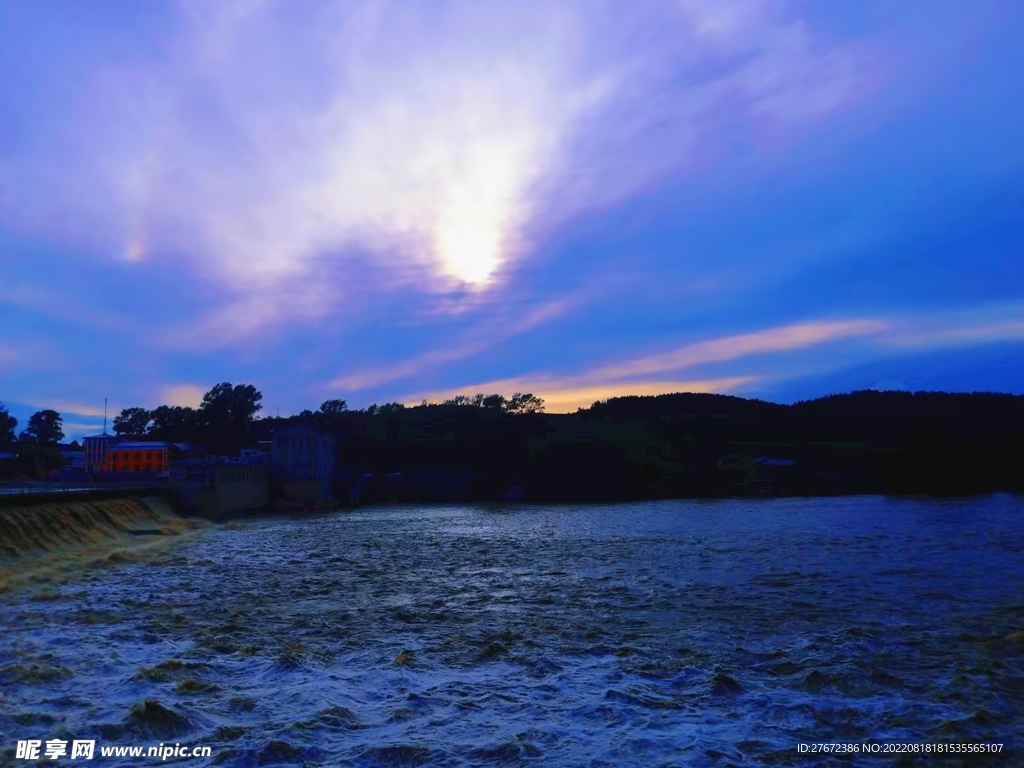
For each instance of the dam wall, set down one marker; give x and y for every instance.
(35, 524)
(229, 491)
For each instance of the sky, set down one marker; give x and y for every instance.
(408, 200)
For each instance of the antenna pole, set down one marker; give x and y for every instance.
(104, 415)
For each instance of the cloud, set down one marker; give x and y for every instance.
(60, 305)
(667, 371)
(967, 329)
(482, 337)
(633, 375)
(78, 409)
(785, 338)
(425, 146)
(185, 395)
(78, 429)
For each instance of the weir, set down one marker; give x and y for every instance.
(37, 524)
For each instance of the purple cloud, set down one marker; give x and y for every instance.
(432, 145)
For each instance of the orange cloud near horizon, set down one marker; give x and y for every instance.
(79, 409)
(184, 395)
(565, 397)
(567, 393)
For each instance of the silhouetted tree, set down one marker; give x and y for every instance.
(132, 422)
(479, 400)
(7, 425)
(333, 407)
(226, 404)
(175, 423)
(38, 459)
(519, 402)
(524, 403)
(494, 402)
(387, 409)
(43, 427)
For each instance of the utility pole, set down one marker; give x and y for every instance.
(104, 415)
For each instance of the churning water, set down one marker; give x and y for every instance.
(669, 633)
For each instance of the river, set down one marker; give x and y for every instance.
(666, 633)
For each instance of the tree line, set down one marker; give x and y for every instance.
(45, 426)
(700, 445)
(227, 418)
(679, 445)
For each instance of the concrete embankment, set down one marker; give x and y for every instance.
(54, 532)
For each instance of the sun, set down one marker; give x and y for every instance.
(469, 245)
(478, 211)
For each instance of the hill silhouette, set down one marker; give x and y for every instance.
(646, 447)
(703, 445)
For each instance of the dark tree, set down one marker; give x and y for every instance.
(479, 400)
(493, 402)
(518, 403)
(43, 427)
(38, 459)
(7, 425)
(524, 403)
(225, 404)
(132, 422)
(333, 407)
(174, 423)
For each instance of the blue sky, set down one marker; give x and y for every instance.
(405, 200)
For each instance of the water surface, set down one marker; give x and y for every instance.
(669, 633)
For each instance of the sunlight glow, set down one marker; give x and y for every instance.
(135, 250)
(473, 224)
(469, 243)
(424, 150)
(184, 395)
(568, 394)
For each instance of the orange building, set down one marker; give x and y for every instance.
(105, 455)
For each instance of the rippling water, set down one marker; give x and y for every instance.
(669, 633)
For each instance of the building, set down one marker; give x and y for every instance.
(304, 455)
(251, 456)
(8, 463)
(73, 457)
(138, 457)
(110, 455)
(774, 476)
(95, 448)
(186, 450)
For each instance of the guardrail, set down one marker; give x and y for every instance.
(15, 490)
